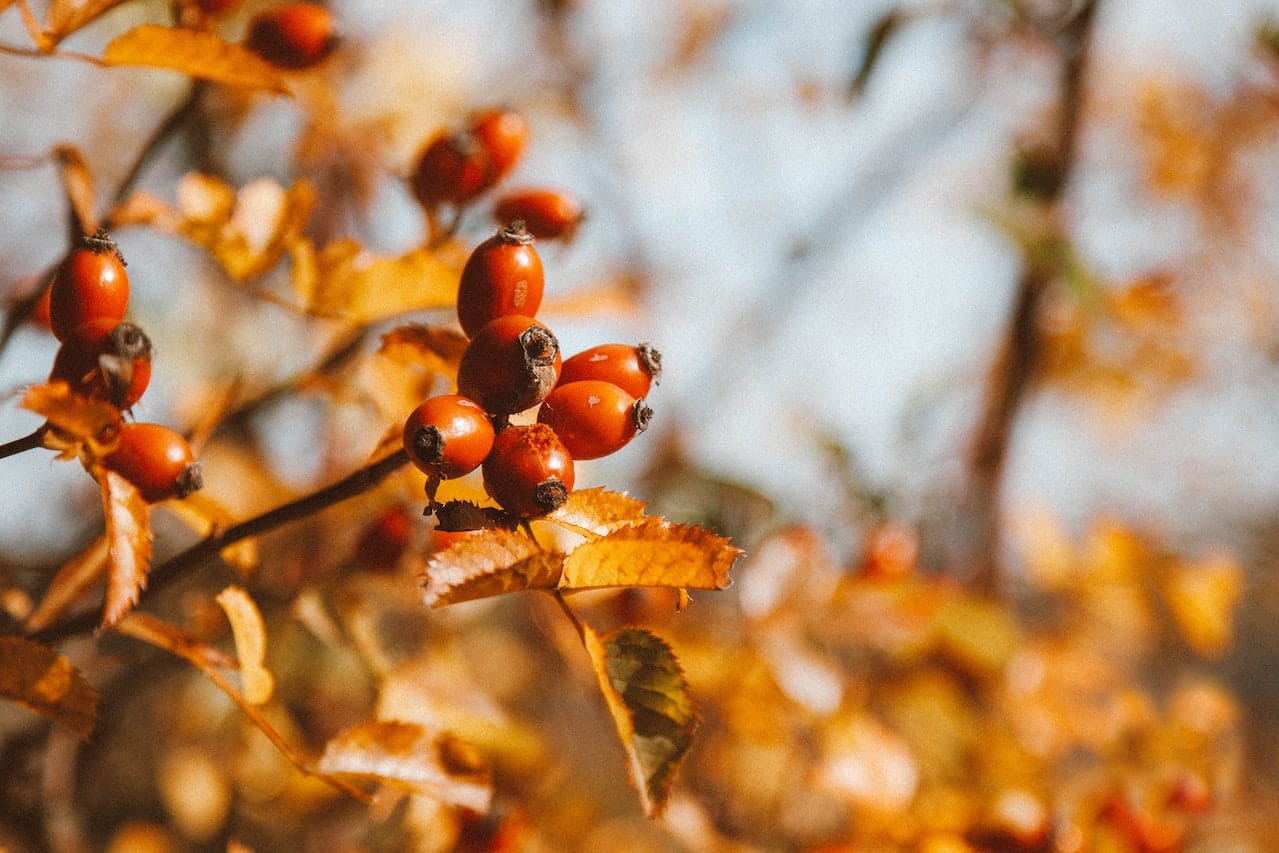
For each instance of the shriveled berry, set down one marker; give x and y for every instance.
(529, 471)
(90, 285)
(448, 436)
(115, 367)
(593, 418)
(510, 365)
(156, 460)
(293, 36)
(547, 214)
(502, 276)
(633, 368)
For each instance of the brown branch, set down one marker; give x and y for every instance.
(1019, 352)
(27, 442)
(209, 547)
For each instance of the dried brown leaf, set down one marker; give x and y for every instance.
(410, 756)
(162, 635)
(598, 511)
(496, 562)
(196, 53)
(128, 537)
(41, 680)
(418, 343)
(77, 183)
(250, 643)
(653, 552)
(77, 420)
(343, 280)
(73, 580)
(648, 699)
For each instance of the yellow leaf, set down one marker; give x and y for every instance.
(648, 699)
(41, 680)
(598, 511)
(651, 553)
(410, 756)
(978, 636)
(70, 584)
(128, 545)
(491, 563)
(344, 281)
(1202, 597)
(250, 643)
(196, 53)
(418, 343)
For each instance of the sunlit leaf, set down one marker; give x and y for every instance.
(196, 53)
(128, 542)
(496, 562)
(410, 756)
(1202, 596)
(67, 16)
(41, 680)
(598, 510)
(653, 552)
(418, 343)
(343, 280)
(978, 635)
(78, 420)
(648, 699)
(76, 577)
(250, 643)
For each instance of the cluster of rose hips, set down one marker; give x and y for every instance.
(588, 406)
(106, 358)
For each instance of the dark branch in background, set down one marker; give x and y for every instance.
(1019, 350)
(209, 547)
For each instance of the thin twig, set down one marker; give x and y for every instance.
(27, 442)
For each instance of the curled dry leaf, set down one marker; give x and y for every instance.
(481, 566)
(162, 635)
(410, 756)
(41, 680)
(343, 280)
(653, 552)
(196, 53)
(77, 421)
(250, 643)
(648, 699)
(128, 521)
(418, 343)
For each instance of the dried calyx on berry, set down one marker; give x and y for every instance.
(510, 365)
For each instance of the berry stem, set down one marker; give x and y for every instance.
(27, 442)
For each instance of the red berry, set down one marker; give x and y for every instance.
(503, 134)
(502, 276)
(40, 311)
(90, 284)
(384, 540)
(216, 7)
(115, 367)
(156, 460)
(293, 36)
(452, 169)
(593, 418)
(632, 368)
(529, 471)
(448, 436)
(547, 214)
(510, 365)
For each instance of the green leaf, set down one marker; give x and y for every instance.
(648, 699)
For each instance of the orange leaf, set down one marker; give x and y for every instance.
(483, 565)
(250, 643)
(77, 183)
(653, 552)
(67, 16)
(78, 419)
(410, 756)
(196, 53)
(598, 510)
(1202, 598)
(162, 635)
(648, 700)
(41, 680)
(70, 584)
(128, 542)
(418, 343)
(343, 280)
